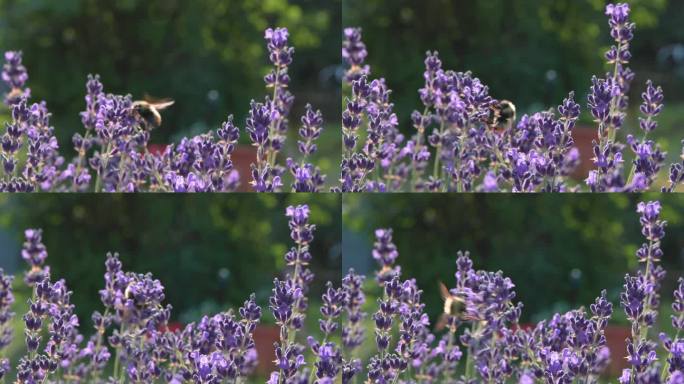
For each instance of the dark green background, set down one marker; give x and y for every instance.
(513, 45)
(183, 240)
(537, 240)
(171, 48)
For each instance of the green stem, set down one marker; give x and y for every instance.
(666, 366)
(312, 375)
(614, 102)
(118, 356)
(419, 139)
(450, 343)
(492, 345)
(436, 171)
(81, 157)
(271, 153)
(633, 169)
(104, 160)
(469, 358)
(122, 172)
(643, 329)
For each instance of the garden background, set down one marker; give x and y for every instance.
(531, 52)
(559, 250)
(208, 55)
(208, 251)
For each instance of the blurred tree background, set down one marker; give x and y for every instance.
(208, 251)
(560, 251)
(208, 55)
(532, 52)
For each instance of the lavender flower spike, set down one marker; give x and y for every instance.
(14, 74)
(354, 54)
(640, 297)
(385, 253)
(6, 315)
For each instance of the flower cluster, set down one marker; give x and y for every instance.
(288, 304)
(133, 343)
(112, 154)
(6, 315)
(640, 299)
(473, 141)
(478, 338)
(49, 310)
(268, 125)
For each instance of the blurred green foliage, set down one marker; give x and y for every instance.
(559, 250)
(209, 55)
(209, 251)
(532, 52)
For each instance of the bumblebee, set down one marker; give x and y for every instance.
(147, 113)
(502, 115)
(453, 307)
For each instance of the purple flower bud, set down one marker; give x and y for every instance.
(13, 72)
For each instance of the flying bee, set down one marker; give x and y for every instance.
(502, 115)
(147, 111)
(16, 94)
(453, 307)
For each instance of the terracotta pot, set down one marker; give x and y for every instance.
(615, 341)
(156, 149)
(264, 338)
(173, 327)
(243, 156)
(583, 137)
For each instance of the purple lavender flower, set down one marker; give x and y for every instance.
(223, 346)
(268, 131)
(354, 54)
(49, 308)
(386, 366)
(14, 74)
(647, 163)
(333, 302)
(355, 166)
(674, 364)
(487, 297)
(283, 304)
(34, 253)
(114, 144)
(640, 297)
(288, 302)
(676, 174)
(6, 315)
(385, 253)
(651, 107)
(328, 363)
(219, 348)
(471, 131)
(599, 102)
(298, 257)
(329, 359)
(678, 306)
(307, 177)
(352, 331)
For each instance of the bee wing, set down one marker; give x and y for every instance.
(444, 291)
(157, 116)
(163, 104)
(441, 322)
(159, 104)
